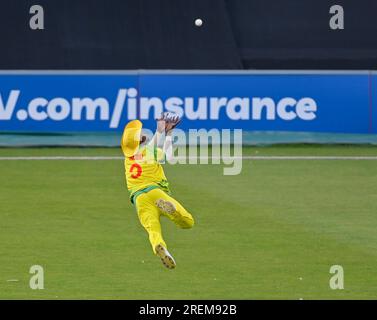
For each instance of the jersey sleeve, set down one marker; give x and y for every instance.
(154, 154)
(160, 155)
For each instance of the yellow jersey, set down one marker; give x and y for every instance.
(144, 171)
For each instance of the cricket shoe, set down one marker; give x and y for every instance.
(166, 206)
(166, 258)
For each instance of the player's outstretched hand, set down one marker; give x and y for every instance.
(167, 122)
(171, 123)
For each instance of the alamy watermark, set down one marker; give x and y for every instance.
(337, 280)
(37, 279)
(201, 146)
(337, 17)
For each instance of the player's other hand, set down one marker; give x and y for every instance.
(161, 123)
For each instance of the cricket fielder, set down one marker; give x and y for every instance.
(147, 183)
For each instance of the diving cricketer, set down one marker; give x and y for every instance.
(147, 183)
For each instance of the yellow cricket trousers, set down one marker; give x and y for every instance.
(149, 215)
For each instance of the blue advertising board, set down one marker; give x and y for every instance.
(105, 101)
(373, 103)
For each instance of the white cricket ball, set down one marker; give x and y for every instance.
(198, 22)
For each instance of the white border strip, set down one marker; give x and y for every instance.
(94, 158)
(184, 72)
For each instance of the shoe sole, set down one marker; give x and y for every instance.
(166, 206)
(166, 258)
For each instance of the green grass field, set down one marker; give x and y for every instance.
(272, 232)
